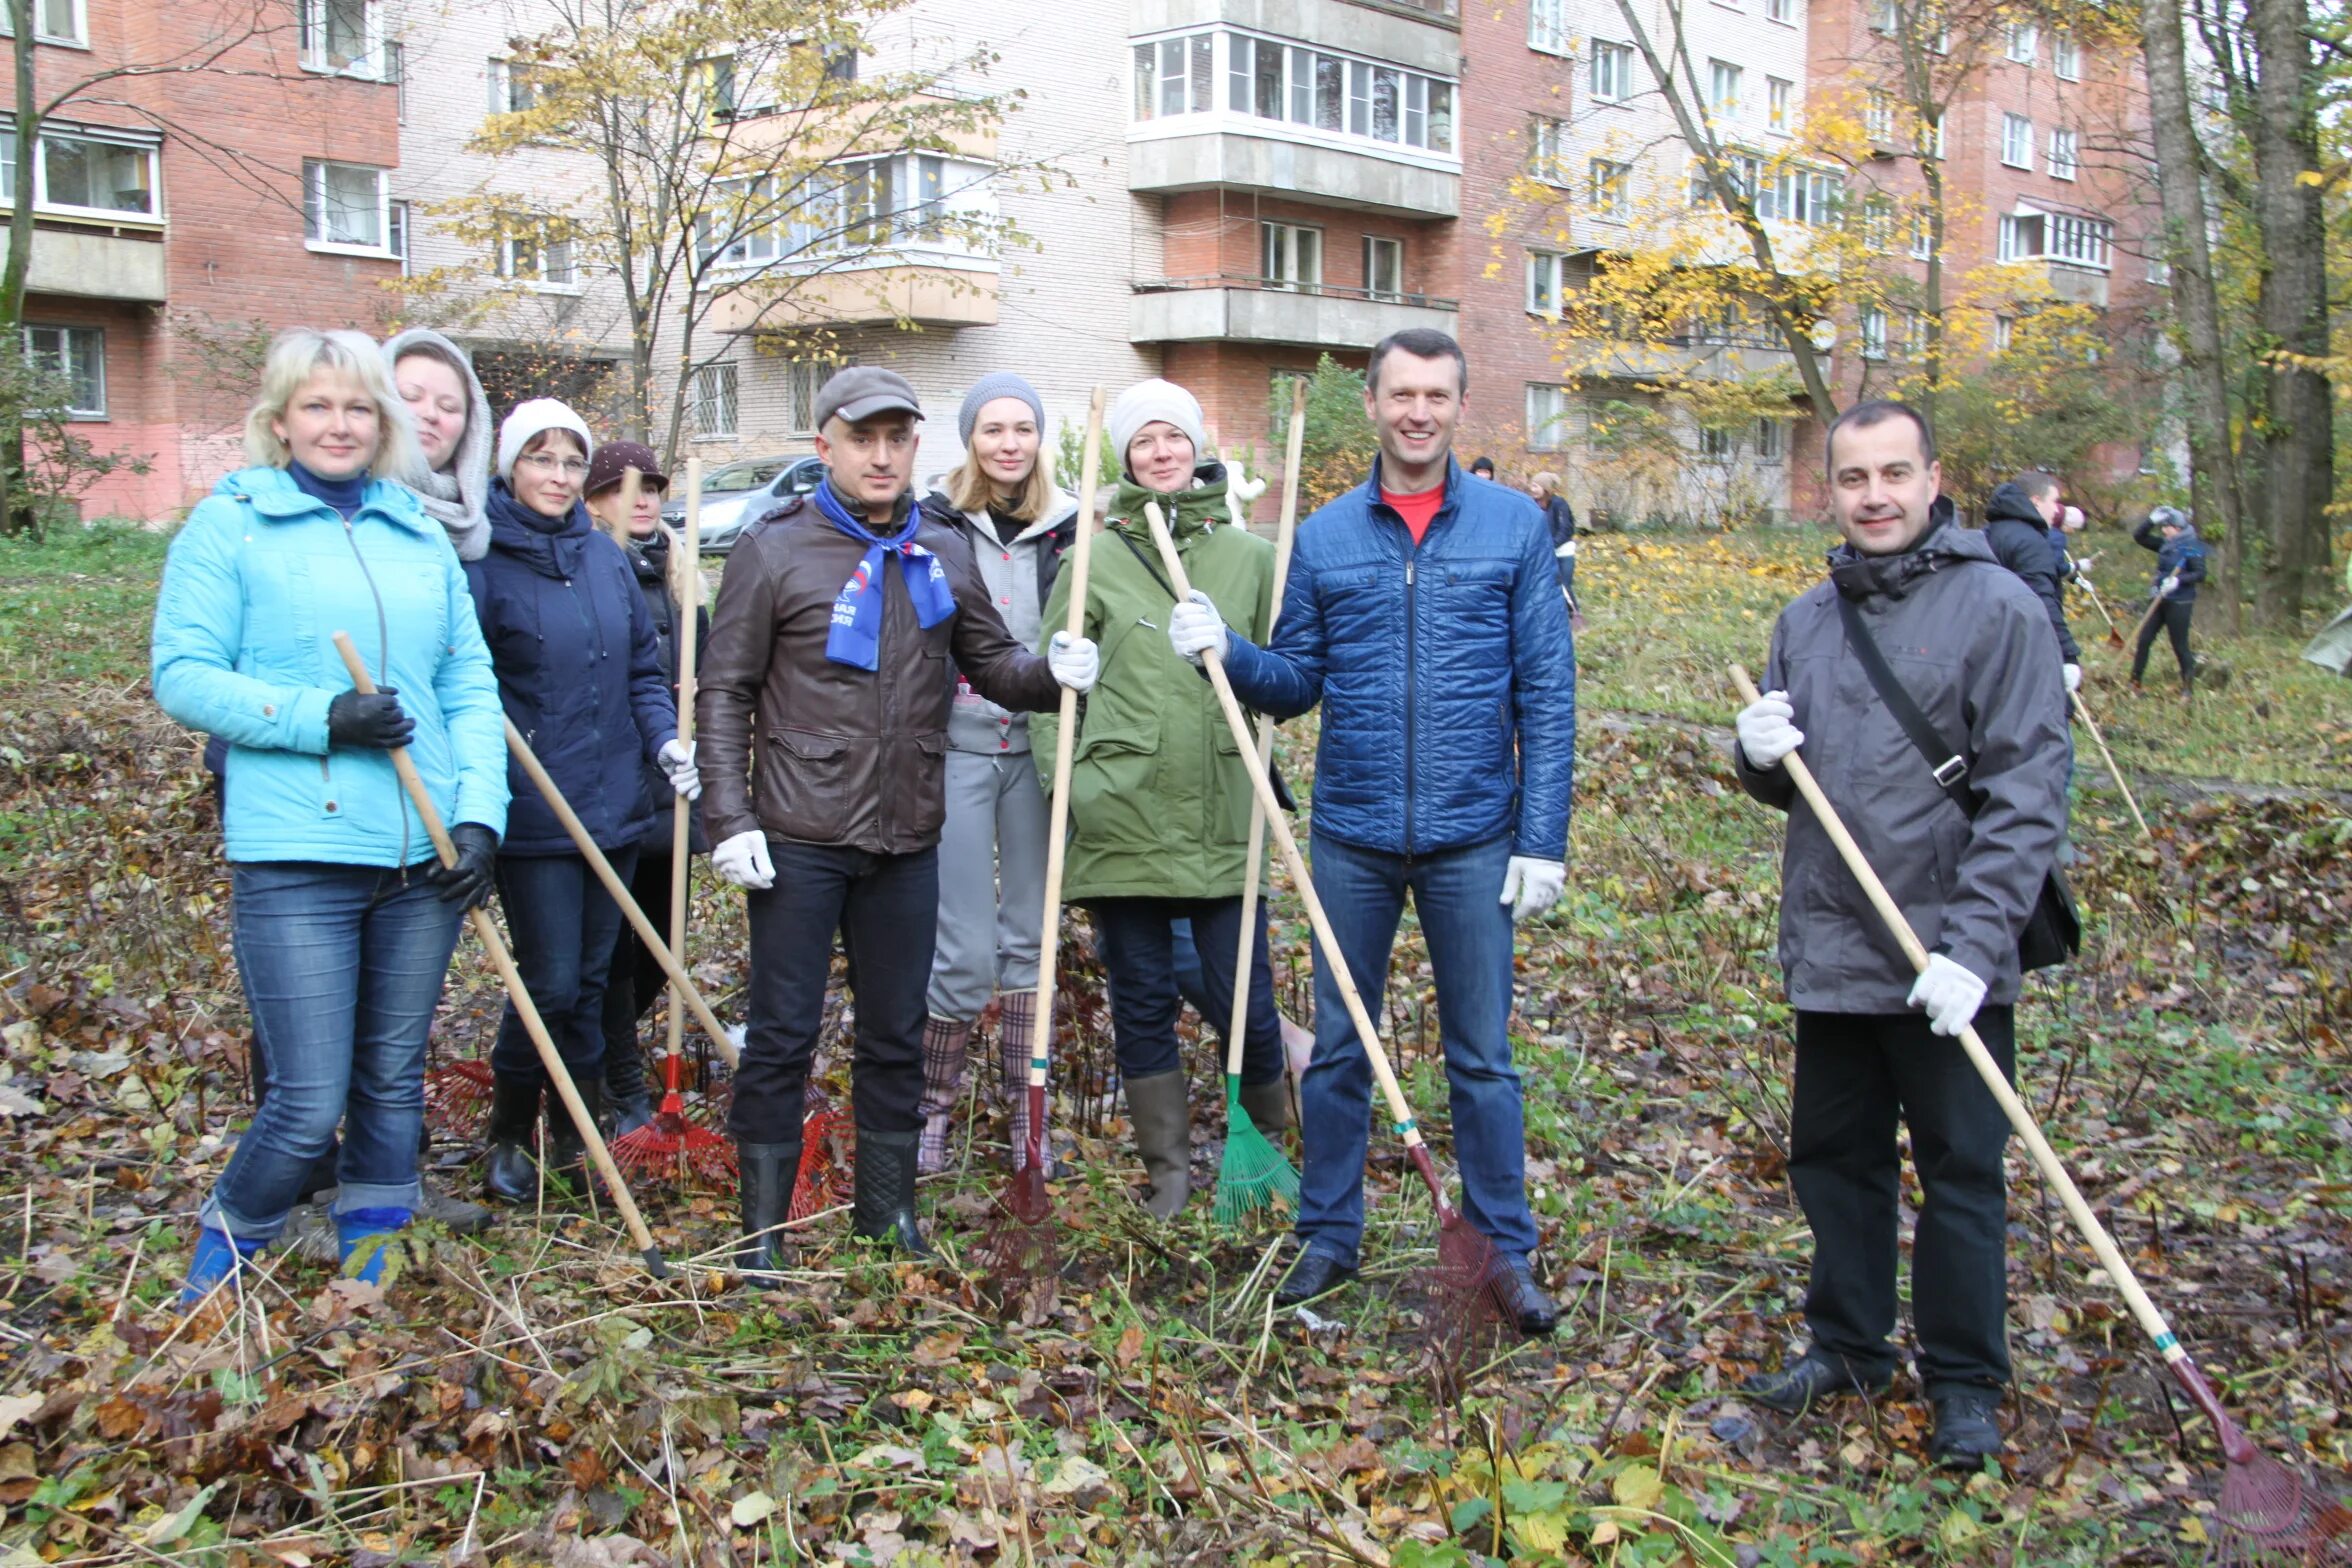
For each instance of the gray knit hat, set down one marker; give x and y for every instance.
(1154, 402)
(987, 390)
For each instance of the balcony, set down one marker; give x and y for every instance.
(1424, 37)
(1200, 153)
(2079, 285)
(1749, 357)
(930, 292)
(81, 263)
(1250, 310)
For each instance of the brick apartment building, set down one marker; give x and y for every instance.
(156, 250)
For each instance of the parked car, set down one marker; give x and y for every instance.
(740, 493)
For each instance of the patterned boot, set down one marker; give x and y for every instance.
(1016, 1031)
(943, 1085)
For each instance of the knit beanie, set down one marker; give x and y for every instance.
(1155, 400)
(534, 418)
(987, 390)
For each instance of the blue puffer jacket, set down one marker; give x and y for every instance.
(1446, 672)
(259, 581)
(580, 671)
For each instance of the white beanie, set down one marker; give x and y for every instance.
(1155, 400)
(532, 419)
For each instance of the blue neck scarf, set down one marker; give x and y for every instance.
(856, 636)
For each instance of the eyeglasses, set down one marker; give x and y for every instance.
(546, 463)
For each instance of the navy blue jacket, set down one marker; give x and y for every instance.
(2182, 556)
(2021, 541)
(579, 671)
(1446, 672)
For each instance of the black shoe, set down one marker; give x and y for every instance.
(1811, 1378)
(629, 1112)
(768, 1172)
(507, 1176)
(1967, 1428)
(567, 1151)
(1522, 1300)
(1314, 1274)
(884, 1207)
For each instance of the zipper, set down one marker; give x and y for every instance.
(1411, 550)
(383, 670)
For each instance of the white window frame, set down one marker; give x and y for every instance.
(1719, 74)
(1547, 27)
(1782, 11)
(1780, 96)
(1545, 280)
(1717, 445)
(2159, 270)
(52, 130)
(1150, 82)
(1283, 254)
(1608, 175)
(1610, 75)
(314, 210)
(311, 40)
(1878, 115)
(2024, 44)
(1771, 440)
(1922, 237)
(399, 222)
(2065, 154)
(802, 379)
(1547, 408)
(67, 333)
(1424, 117)
(502, 87)
(2066, 57)
(510, 262)
(1547, 149)
(716, 405)
(2017, 140)
(1375, 246)
(1874, 333)
(2004, 333)
(79, 38)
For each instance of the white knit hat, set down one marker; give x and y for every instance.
(1155, 400)
(534, 418)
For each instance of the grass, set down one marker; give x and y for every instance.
(78, 606)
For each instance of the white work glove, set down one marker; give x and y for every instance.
(1948, 994)
(1076, 663)
(743, 860)
(677, 760)
(2170, 583)
(1532, 886)
(2073, 678)
(1765, 733)
(2071, 517)
(2081, 572)
(1195, 628)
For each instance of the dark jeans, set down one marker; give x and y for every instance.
(2173, 617)
(886, 908)
(1856, 1073)
(561, 923)
(1139, 950)
(636, 977)
(1458, 895)
(342, 968)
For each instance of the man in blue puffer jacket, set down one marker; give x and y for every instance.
(1424, 613)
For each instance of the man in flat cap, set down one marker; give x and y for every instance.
(823, 710)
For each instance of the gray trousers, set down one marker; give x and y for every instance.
(991, 882)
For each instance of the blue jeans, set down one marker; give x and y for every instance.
(342, 968)
(563, 926)
(1458, 895)
(1147, 965)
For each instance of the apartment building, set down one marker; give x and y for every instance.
(180, 216)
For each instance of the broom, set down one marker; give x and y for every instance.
(670, 1140)
(1020, 1244)
(1254, 1174)
(2266, 1509)
(487, 929)
(1467, 1264)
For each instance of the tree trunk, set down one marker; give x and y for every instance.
(2213, 468)
(2297, 436)
(19, 508)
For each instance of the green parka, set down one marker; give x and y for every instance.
(1159, 799)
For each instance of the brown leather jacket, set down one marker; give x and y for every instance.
(824, 753)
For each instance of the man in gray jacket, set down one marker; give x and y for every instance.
(1973, 647)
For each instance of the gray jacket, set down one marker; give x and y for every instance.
(1020, 576)
(1973, 646)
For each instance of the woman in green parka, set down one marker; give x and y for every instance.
(1159, 798)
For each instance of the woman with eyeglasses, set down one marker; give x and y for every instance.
(580, 671)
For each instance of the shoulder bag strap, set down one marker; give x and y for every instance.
(1949, 767)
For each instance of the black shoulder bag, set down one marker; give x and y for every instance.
(2053, 932)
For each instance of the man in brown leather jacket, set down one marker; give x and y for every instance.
(840, 625)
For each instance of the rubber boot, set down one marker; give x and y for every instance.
(1268, 1105)
(944, 1049)
(507, 1176)
(884, 1209)
(1016, 1033)
(567, 1151)
(218, 1255)
(768, 1170)
(1163, 1136)
(626, 1091)
(356, 1235)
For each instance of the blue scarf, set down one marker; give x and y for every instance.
(856, 636)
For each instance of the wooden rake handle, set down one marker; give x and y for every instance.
(487, 929)
(2083, 711)
(689, 597)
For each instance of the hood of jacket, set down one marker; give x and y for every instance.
(2010, 503)
(1058, 510)
(457, 497)
(553, 547)
(1862, 577)
(1186, 512)
(649, 557)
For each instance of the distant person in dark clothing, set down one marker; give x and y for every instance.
(2018, 520)
(1560, 517)
(1483, 467)
(2180, 567)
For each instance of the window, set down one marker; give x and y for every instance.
(1175, 76)
(54, 22)
(396, 72)
(2066, 55)
(1375, 101)
(716, 76)
(1931, 136)
(1293, 256)
(531, 257)
(2004, 333)
(1547, 418)
(2034, 236)
(343, 206)
(2017, 139)
(1384, 267)
(1723, 89)
(1778, 96)
(1922, 237)
(1884, 17)
(2025, 42)
(77, 357)
(1612, 72)
(85, 174)
(802, 378)
(340, 36)
(1717, 446)
(1543, 283)
(1781, 11)
(1771, 440)
(511, 92)
(1874, 333)
(1878, 222)
(1307, 87)
(396, 216)
(714, 400)
(1547, 26)
(2063, 161)
(2160, 272)
(1808, 196)
(1610, 189)
(1878, 115)
(1547, 141)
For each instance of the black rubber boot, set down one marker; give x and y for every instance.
(627, 1094)
(567, 1152)
(507, 1176)
(768, 1171)
(885, 1206)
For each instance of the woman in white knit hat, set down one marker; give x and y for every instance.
(580, 672)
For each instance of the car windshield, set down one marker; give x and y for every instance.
(749, 474)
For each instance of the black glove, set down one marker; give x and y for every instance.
(369, 719)
(468, 882)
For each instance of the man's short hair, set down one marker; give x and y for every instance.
(1877, 412)
(2036, 483)
(1421, 343)
(1482, 465)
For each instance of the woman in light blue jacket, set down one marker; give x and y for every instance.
(344, 917)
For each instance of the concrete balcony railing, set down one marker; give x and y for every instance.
(83, 263)
(2078, 285)
(1278, 164)
(1749, 358)
(927, 292)
(1252, 310)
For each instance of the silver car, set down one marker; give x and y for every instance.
(741, 493)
